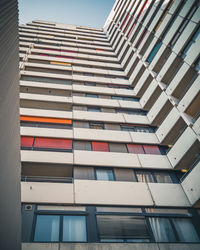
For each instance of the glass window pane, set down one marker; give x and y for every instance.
(74, 228)
(162, 230)
(185, 230)
(47, 228)
(121, 227)
(163, 177)
(144, 176)
(154, 52)
(104, 174)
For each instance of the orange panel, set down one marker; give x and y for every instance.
(99, 49)
(44, 119)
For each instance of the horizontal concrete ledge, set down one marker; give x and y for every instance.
(110, 246)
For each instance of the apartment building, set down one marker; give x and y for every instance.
(110, 130)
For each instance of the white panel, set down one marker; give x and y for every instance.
(182, 145)
(46, 157)
(106, 159)
(46, 132)
(191, 184)
(112, 193)
(154, 161)
(39, 192)
(171, 195)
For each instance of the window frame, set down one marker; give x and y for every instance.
(101, 168)
(61, 214)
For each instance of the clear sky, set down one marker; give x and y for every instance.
(91, 13)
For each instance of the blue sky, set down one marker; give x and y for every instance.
(81, 12)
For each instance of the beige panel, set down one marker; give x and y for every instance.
(97, 116)
(46, 157)
(81, 108)
(84, 173)
(168, 195)
(117, 147)
(46, 113)
(124, 174)
(191, 184)
(46, 85)
(46, 132)
(182, 145)
(61, 208)
(137, 119)
(112, 126)
(140, 137)
(102, 135)
(154, 161)
(108, 110)
(80, 124)
(81, 145)
(39, 192)
(112, 193)
(129, 104)
(40, 246)
(106, 159)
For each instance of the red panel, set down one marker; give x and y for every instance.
(100, 146)
(43, 55)
(135, 149)
(27, 141)
(124, 21)
(42, 142)
(130, 20)
(132, 28)
(142, 9)
(149, 149)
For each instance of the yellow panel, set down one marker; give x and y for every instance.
(61, 63)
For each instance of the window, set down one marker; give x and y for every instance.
(144, 176)
(119, 86)
(47, 228)
(88, 74)
(154, 52)
(92, 95)
(173, 230)
(100, 146)
(185, 229)
(104, 174)
(124, 98)
(162, 177)
(192, 41)
(162, 230)
(116, 228)
(74, 228)
(96, 125)
(90, 84)
(155, 176)
(93, 109)
(136, 128)
(130, 111)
